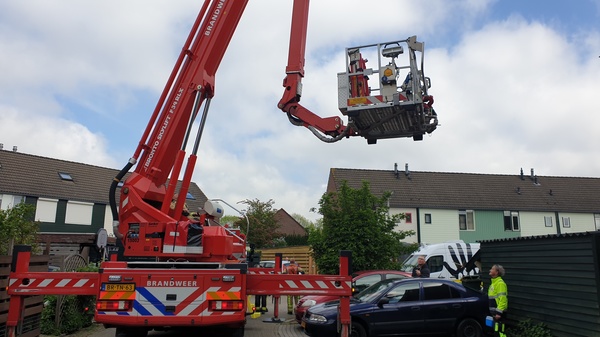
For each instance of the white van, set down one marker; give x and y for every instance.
(271, 264)
(446, 259)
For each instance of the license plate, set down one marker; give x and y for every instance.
(120, 287)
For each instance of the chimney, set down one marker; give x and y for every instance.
(406, 171)
(522, 177)
(1, 146)
(396, 173)
(14, 148)
(531, 174)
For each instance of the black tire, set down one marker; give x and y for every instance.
(131, 332)
(237, 332)
(469, 327)
(357, 330)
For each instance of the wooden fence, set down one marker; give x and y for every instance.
(33, 304)
(301, 254)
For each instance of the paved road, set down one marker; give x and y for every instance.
(264, 326)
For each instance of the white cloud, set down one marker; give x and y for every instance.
(52, 137)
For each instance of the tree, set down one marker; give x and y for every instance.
(17, 227)
(230, 219)
(356, 220)
(302, 220)
(263, 226)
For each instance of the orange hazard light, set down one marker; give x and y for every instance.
(226, 305)
(113, 305)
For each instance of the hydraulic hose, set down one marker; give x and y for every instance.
(112, 198)
(298, 122)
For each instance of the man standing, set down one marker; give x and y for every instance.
(421, 269)
(292, 268)
(498, 295)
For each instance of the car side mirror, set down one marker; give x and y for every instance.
(383, 301)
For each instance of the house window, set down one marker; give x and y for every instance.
(79, 213)
(548, 221)
(427, 218)
(45, 210)
(511, 221)
(17, 199)
(408, 218)
(466, 221)
(597, 221)
(566, 222)
(190, 196)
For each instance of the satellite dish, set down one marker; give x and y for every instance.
(101, 238)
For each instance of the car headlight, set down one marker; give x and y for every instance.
(309, 303)
(317, 319)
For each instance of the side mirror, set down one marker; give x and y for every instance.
(383, 301)
(354, 291)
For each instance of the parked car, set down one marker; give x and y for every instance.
(271, 264)
(361, 280)
(411, 306)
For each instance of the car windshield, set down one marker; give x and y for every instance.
(373, 291)
(410, 263)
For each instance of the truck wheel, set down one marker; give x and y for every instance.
(237, 332)
(469, 328)
(130, 332)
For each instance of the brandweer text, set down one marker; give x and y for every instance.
(171, 284)
(214, 17)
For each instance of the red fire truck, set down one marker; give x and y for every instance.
(175, 271)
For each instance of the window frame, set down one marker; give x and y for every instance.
(548, 222)
(65, 176)
(428, 218)
(465, 216)
(512, 219)
(566, 222)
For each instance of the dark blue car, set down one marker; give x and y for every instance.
(406, 307)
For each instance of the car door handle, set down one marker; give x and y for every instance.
(456, 305)
(415, 308)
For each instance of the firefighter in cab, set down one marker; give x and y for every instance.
(292, 268)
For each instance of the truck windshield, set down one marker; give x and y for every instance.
(409, 263)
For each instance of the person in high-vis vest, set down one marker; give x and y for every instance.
(293, 268)
(498, 297)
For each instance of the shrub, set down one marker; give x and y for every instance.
(77, 312)
(527, 328)
(296, 240)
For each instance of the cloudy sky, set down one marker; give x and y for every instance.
(514, 82)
